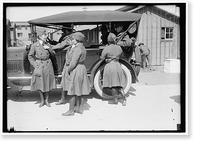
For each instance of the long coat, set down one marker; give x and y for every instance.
(43, 75)
(65, 76)
(78, 80)
(113, 75)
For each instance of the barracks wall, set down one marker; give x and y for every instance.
(159, 30)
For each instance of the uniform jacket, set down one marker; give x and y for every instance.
(113, 74)
(78, 79)
(43, 75)
(144, 50)
(125, 41)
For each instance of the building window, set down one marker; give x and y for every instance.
(167, 33)
(26, 27)
(19, 27)
(29, 36)
(19, 34)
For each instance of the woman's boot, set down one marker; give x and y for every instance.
(114, 94)
(79, 105)
(122, 97)
(70, 112)
(62, 100)
(47, 99)
(42, 98)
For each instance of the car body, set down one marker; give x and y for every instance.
(19, 70)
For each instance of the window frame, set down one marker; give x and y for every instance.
(19, 35)
(168, 31)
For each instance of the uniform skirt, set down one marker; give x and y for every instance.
(44, 80)
(78, 81)
(65, 79)
(113, 75)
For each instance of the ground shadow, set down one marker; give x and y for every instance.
(24, 96)
(55, 95)
(33, 96)
(131, 92)
(176, 98)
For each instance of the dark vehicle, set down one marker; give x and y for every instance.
(19, 69)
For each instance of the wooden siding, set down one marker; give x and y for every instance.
(152, 20)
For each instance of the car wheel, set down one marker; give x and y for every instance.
(98, 82)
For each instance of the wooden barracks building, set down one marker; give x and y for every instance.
(159, 29)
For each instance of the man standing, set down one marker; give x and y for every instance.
(145, 52)
(65, 34)
(124, 41)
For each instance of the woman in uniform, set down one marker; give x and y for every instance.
(77, 84)
(65, 75)
(43, 79)
(113, 76)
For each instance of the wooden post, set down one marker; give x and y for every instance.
(33, 32)
(110, 26)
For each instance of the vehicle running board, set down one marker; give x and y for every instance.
(13, 86)
(28, 88)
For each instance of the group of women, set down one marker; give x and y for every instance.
(74, 82)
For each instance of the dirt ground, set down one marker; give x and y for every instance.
(152, 104)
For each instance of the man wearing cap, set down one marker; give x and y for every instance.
(43, 79)
(124, 41)
(144, 54)
(65, 32)
(76, 81)
(113, 77)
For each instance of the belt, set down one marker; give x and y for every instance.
(80, 62)
(43, 59)
(112, 60)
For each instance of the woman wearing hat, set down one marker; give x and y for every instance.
(77, 83)
(113, 76)
(43, 79)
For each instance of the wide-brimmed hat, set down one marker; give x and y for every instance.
(111, 37)
(40, 31)
(78, 36)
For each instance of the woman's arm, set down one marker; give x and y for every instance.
(31, 56)
(103, 54)
(61, 45)
(75, 59)
(126, 41)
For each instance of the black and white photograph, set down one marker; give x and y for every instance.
(103, 68)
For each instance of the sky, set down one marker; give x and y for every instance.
(29, 13)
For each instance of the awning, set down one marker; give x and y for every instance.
(86, 17)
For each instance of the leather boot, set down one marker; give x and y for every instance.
(42, 99)
(70, 112)
(62, 100)
(47, 99)
(79, 105)
(114, 94)
(122, 97)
